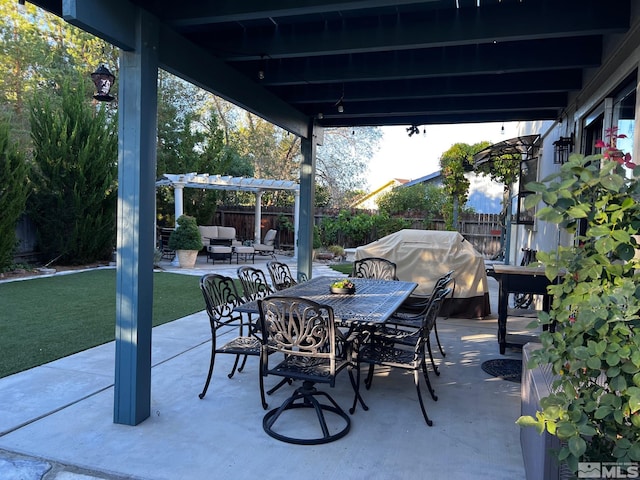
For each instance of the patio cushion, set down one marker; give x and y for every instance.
(227, 233)
(215, 232)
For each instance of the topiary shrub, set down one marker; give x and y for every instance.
(186, 236)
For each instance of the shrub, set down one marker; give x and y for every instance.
(73, 201)
(594, 345)
(13, 195)
(186, 236)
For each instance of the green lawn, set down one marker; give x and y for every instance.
(43, 319)
(344, 267)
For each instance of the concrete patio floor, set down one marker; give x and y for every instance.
(56, 421)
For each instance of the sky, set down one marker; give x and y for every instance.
(401, 156)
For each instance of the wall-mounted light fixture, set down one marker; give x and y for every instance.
(562, 149)
(103, 80)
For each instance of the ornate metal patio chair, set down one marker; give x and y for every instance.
(375, 268)
(404, 349)
(281, 277)
(410, 313)
(304, 331)
(254, 283)
(221, 297)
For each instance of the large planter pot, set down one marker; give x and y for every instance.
(187, 258)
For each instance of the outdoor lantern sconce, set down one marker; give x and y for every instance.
(562, 148)
(103, 79)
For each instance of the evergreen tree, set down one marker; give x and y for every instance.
(73, 203)
(13, 194)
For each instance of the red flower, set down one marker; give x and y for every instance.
(611, 152)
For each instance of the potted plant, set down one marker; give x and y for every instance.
(593, 341)
(186, 241)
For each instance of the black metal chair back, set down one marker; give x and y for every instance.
(221, 297)
(281, 277)
(254, 283)
(411, 312)
(375, 268)
(389, 348)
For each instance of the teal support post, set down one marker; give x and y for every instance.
(137, 105)
(307, 200)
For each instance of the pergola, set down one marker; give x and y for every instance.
(221, 182)
(307, 65)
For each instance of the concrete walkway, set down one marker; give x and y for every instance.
(56, 421)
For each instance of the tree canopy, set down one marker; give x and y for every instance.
(454, 163)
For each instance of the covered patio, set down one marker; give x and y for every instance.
(58, 416)
(305, 67)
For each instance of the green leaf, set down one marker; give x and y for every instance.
(527, 421)
(577, 446)
(618, 383)
(621, 236)
(537, 187)
(634, 452)
(613, 359)
(577, 212)
(625, 252)
(565, 430)
(602, 412)
(594, 363)
(612, 182)
(617, 415)
(599, 231)
(587, 430)
(530, 201)
(548, 214)
(549, 197)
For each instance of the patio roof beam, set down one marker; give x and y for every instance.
(489, 24)
(114, 22)
(196, 65)
(442, 62)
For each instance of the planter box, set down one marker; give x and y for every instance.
(539, 462)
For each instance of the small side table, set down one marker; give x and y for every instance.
(245, 251)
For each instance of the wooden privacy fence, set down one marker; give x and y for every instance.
(483, 231)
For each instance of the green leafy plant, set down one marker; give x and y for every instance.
(73, 176)
(13, 195)
(186, 236)
(593, 343)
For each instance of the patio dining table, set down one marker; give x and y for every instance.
(373, 302)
